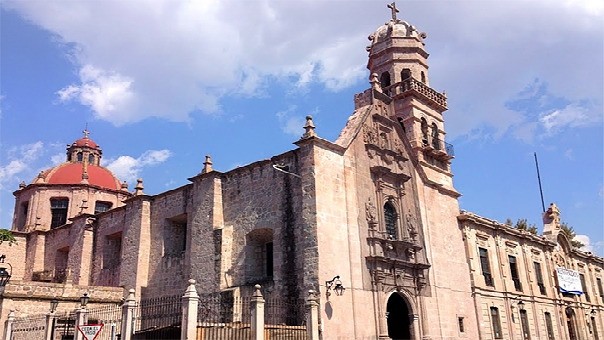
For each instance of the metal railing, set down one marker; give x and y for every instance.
(111, 318)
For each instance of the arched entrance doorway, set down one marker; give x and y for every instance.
(399, 320)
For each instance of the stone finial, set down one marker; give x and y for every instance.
(257, 292)
(124, 186)
(207, 165)
(84, 177)
(551, 220)
(310, 128)
(131, 296)
(138, 190)
(375, 82)
(22, 185)
(191, 291)
(40, 178)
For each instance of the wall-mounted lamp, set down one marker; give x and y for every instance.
(84, 300)
(521, 304)
(54, 303)
(5, 275)
(336, 285)
(593, 312)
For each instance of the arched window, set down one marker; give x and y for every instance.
(400, 122)
(423, 75)
(390, 220)
(80, 156)
(435, 140)
(91, 159)
(385, 81)
(405, 74)
(424, 127)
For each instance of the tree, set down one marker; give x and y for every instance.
(522, 224)
(7, 236)
(570, 233)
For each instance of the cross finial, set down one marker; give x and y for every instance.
(394, 10)
(86, 132)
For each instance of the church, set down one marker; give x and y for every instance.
(374, 213)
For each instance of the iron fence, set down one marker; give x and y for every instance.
(158, 318)
(29, 327)
(111, 319)
(285, 318)
(64, 326)
(223, 316)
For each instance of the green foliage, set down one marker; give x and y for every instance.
(522, 224)
(7, 236)
(570, 233)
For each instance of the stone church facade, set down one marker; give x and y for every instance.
(376, 208)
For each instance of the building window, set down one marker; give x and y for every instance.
(80, 156)
(423, 75)
(539, 277)
(486, 268)
(496, 323)
(526, 333)
(23, 215)
(424, 127)
(112, 251)
(594, 327)
(514, 273)
(101, 206)
(460, 324)
(405, 74)
(58, 209)
(549, 326)
(600, 290)
(435, 139)
(390, 220)
(175, 236)
(259, 258)
(91, 159)
(385, 80)
(584, 287)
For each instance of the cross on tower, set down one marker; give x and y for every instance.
(86, 132)
(394, 10)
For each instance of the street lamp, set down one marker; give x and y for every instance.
(336, 285)
(54, 303)
(84, 300)
(5, 275)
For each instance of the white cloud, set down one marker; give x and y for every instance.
(20, 160)
(182, 57)
(587, 246)
(128, 168)
(572, 115)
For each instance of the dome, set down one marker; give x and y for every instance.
(73, 173)
(85, 141)
(395, 29)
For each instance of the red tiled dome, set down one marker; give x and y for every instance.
(85, 141)
(71, 173)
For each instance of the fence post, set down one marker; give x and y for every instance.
(312, 316)
(190, 302)
(128, 316)
(81, 316)
(50, 325)
(8, 329)
(257, 309)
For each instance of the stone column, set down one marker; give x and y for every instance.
(128, 316)
(8, 329)
(312, 316)
(50, 326)
(81, 317)
(190, 301)
(257, 309)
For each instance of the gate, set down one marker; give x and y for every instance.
(111, 319)
(158, 318)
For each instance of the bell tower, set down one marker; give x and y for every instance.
(398, 62)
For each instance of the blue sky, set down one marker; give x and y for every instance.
(160, 84)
